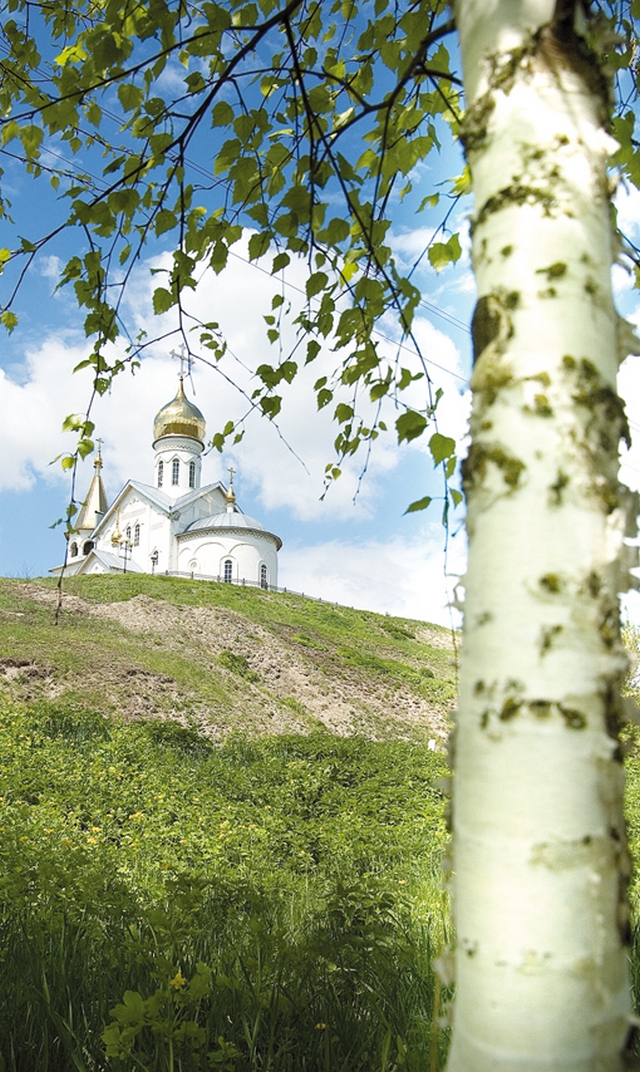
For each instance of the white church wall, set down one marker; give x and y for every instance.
(247, 554)
(183, 450)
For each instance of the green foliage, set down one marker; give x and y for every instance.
(307, 159)
(238, 664)
(172, 904)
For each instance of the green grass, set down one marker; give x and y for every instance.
(274, 903)
(168, 904)
(173, 662)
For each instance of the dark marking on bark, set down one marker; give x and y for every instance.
(491, 322)
(475, 465)
(554, 271)
(542, 407)
(548, 636)
(609, 622)
(517, 194)
(594, 584)
(550, 583)
(475, 124)
(609, 694)
(510, 709)
(557, 488)
(573, 718)
(561, 46)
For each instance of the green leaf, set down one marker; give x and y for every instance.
(259, 244)
(9, 320)
(441, 447)
(316, 283)
(280, 261)
(343, 412)
(10, 130)
(130, 96)
(443, 253)
(410, 425)
(165, 221)
(162, 300)
(222, 114)
(419, 504)
(31, 137)
(271, 406)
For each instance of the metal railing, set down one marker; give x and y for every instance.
(239, 582)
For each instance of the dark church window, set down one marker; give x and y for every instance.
(175, 471)
(87, 546)
(160, 473)
(264, 582)
(73, 550)
(136, 535)
(192, 474)
(228, 570)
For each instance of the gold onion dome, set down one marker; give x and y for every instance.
(179, 417)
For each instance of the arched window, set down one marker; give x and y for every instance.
(175, 471)
(136, 535)
(87, 546)
(228, 570)
(128, 533)
(73, 550)
(264, 580)
(160, 473)
(192, 474)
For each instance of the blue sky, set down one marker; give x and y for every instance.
(365, 552)
(355, 545)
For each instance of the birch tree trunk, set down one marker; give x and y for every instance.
(539, 858)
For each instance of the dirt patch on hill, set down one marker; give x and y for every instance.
(266, 683)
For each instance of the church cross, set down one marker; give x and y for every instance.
(182, 359)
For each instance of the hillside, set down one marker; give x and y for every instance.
(223, 658)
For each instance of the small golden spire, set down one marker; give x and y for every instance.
(98, 462)
(231, 495)
(116, 539)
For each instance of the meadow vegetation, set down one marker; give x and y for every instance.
(170, 902)
(177, 903)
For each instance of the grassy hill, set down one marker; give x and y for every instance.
(221, 831)
(225, 658)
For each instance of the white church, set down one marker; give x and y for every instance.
(174, 526)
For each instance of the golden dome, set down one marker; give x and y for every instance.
(179, 417)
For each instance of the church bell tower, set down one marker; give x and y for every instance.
(178, 441)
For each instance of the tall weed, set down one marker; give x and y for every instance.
(170, 905)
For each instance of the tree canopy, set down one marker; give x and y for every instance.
(299, 123)
(302, 124)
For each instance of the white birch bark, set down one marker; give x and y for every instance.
(539, 858)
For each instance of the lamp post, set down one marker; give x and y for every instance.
(126, 552)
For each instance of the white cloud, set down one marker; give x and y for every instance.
(238, 300)
(33, 411)
(385, 576)
(403, 577)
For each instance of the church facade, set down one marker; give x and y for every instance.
(175, 525)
